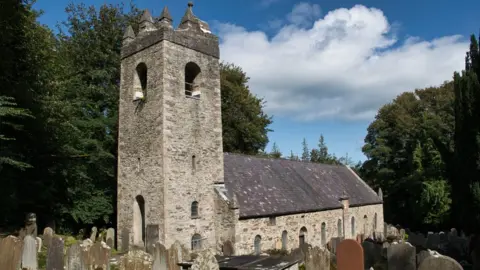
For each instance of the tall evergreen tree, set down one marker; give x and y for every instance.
(275, 152)
(305, 152)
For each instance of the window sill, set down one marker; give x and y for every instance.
(195, 217)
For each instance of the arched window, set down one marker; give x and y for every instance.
(302, 238)
(365, 225)
(339, 228)
(257, 244)
(140, 82)
(284, 240)
(139, 220)
(196, 242)
(353, 227)
(375, 222)
(192, 87)
(194, 209)
(324, 233)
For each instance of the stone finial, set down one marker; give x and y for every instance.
(380, 193)
(146, 22)
(234, 202)
(165, 17)
(129, 35)
(188, 20)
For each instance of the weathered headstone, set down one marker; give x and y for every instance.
(401, 256)
(99, 256)
(136, 259)
(93, 234)
(350, 255)
(38, 240)
(174, 256)
(439, 262)
(10, 253)
(205, 261)
(29, 253)
(47, 236)
(125, 239)
(228, 248)
(74, 258)
(151, 237)
(372, 253)
(55, 254)
(110, 237)
(160, 256)
(317, 259)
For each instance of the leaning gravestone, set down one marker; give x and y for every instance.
(10, 253)
(151, 237)
(110, 237)
(317, 259)
(401, 257)
(350, 255)
(205, 261)
(136, 259)
(160, 256)
(55, 254)
(29, 254)
(74, 258)
(439, 262)
(47, 236)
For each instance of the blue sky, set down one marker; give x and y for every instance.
(325, 67)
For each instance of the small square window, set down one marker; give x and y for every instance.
(272, 221)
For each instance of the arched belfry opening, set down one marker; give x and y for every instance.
(192, 80)
(139, 220)
(140, 82)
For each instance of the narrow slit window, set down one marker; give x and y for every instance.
(194, 209)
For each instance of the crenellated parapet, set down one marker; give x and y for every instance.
(192, 33)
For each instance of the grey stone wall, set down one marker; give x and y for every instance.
(225, 221)
(165, 132)
(271, 235)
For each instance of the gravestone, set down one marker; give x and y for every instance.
(110, 237)
(205, 261)
(151, 237)
(99, 256)
(87, 243)
(372, 253)
(74, 258)
(136, 259)
(10, 253)
(125, 239)
(439, 262)
(93, 234)
(47, 236)
(401, 256)
(55, 254)
(228, 248)
(317, 259)
(29, 253)
(174, 256)
(38, 240)
(350, 255)
(160, 256)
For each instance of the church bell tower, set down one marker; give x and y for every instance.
(170, 133)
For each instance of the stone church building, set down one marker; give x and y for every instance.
(176, 184)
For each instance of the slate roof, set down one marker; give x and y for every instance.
(274, 187)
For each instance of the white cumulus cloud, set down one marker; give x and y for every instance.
(344, 65)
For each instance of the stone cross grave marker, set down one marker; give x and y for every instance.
(350, 255)
(55, 254)
(74, 258)
(205, 261)
(110, 237)
(29, 254)
(439, 262)
(47, 236)
(160, 256)
(401, 256)
(151, 237)
(317, 259)
(10, 253)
